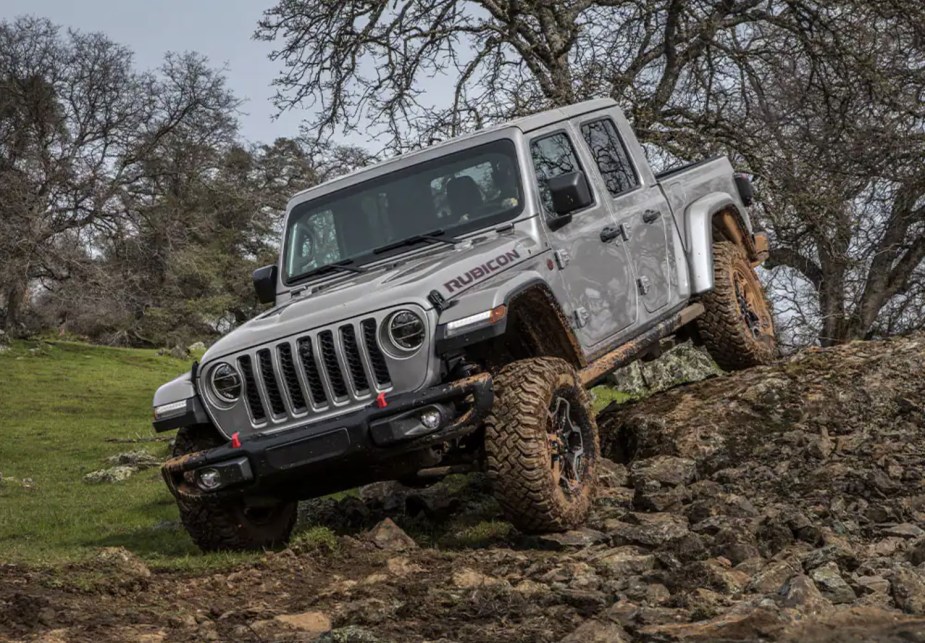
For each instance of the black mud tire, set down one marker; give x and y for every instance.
(520, 446)
(229, 525)
(737, 327)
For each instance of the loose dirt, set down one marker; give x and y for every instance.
(782, 503)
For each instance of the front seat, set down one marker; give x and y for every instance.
(464, 197)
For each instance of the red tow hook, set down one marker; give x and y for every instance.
(380, 400)
(235, 441)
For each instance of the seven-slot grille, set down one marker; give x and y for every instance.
(314, 372)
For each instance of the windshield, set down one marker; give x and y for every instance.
(455, 194)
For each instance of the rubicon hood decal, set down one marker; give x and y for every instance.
(481, 272)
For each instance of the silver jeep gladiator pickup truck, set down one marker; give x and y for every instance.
(446, 311)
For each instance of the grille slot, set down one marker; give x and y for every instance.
(254, 405)
(348, 337)
(269, 381)
(331, 365)
(291, 378)
(312, 376)
(376, 358)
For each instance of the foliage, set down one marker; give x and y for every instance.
(132, 212)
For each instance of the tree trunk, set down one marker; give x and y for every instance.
(15, 295)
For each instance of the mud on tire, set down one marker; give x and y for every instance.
(531, 448)
(216, 525)
(737, 327)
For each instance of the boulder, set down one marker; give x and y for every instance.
(829, 580)
(744, 623)
(594, 631)
(667, 471)
(654, 529)
(389, 536)
(908, 590)
(576, 538)
(113, 474)
(316, 623)
(625, 561)
(800, 593)
(303, 626)
(903, 530)
(718, 574)
(467, 578)
(770, 579)
(121, 566)
(139, 459)
(682, 364)
(877, 587)
(611, 474)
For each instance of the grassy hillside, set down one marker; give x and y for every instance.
(62, 408)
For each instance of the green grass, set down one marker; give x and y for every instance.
(59, 403)
(317, 539)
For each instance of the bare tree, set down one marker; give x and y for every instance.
(358, 62)
(821, 100)
(834, 126)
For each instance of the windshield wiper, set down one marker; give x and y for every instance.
(435, 236)
(339, 266)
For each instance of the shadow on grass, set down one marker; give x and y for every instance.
(164, 539)
(167, 547)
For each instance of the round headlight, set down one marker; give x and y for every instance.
(406, 330)
(226, 383)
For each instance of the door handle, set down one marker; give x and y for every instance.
(651, 215)
(610, 233)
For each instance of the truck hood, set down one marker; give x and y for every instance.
(408, 279)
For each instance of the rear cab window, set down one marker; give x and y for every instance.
(610, 156)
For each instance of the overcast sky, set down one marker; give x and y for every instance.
(220, 29)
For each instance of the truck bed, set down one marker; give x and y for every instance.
(684, 185)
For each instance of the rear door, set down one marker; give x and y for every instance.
(640, 210)
(597, 274)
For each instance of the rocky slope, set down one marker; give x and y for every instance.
(783, 503)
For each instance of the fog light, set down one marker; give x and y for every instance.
(209, 479)
(431, 418)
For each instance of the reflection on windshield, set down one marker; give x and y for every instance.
(455, 194)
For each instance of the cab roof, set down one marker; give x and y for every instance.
(524, 124)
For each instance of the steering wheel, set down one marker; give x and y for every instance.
(309, 247)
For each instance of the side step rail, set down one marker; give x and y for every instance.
(609, 362)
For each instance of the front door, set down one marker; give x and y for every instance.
(642, 212)
(597, 273)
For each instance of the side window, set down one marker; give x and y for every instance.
(610, 155)
(552, 156)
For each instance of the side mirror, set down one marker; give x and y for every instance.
(265, 283)
(570, 192)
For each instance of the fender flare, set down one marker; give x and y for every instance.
(722, 212)
(504, 291)
(492, 293)
(180, 389)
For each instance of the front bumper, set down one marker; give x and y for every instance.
(367, 438)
